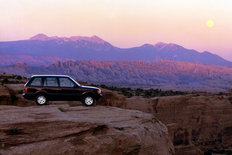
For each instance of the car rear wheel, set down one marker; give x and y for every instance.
(88, 100)
(41, 100)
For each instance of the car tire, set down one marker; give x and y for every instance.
(88, 100)
(41, 100)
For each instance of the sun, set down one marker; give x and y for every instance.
(209, 23)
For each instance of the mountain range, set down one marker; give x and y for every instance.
(91, 59)
(164, 74)
(43, 50)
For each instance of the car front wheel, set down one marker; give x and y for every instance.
(88, 101)
(41, 100)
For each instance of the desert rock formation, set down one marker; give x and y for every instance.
(64, 129)
(196, 123)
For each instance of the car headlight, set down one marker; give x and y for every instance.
(98, 91)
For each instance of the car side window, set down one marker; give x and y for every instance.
(66, 82)
(36, 82)
(51, 82)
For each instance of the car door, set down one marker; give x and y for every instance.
(69, 90)
(52, 88)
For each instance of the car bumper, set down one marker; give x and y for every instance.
(99, 96)
(28, 96)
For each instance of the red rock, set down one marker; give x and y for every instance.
(81, 130)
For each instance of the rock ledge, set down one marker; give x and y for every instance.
(64, 129)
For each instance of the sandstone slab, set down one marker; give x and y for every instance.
(64, 129)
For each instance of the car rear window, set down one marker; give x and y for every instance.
(36, 82)
(51, 82)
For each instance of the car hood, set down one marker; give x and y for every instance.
(90, 87)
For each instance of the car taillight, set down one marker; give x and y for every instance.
(98, 91)
(25, 90)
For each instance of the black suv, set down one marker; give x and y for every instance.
(43, 88)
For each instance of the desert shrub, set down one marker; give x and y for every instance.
(220, 93)
(127, 93)
(211, 152)
(5, 81)
(102, 86)
(138, 92)
(61, 109)
(147, 94)
(230, 99)
(20, 91)
(13, 98)
(19, 77)
(14, 131)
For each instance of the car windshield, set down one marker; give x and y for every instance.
(75, 81)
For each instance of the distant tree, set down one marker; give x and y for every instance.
(19, 77)
(5, 81)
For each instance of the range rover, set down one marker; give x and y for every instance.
(44, 88)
